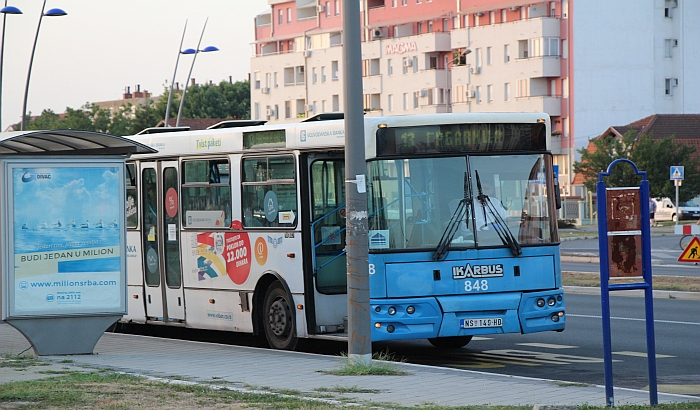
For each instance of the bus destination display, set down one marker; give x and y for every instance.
(452, 138)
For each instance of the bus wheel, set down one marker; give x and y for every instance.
(279, 318)
(452, 342)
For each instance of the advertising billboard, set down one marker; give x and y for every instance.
(65, 238)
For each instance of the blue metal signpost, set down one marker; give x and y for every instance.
(625, 249)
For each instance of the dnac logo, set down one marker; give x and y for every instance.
(27, 177)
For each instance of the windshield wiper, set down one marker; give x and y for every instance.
(452, 226)
(499, 224)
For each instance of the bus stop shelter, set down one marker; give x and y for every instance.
(62, 236)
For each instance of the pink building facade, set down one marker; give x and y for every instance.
(435, 56)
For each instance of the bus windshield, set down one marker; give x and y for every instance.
(411, 201)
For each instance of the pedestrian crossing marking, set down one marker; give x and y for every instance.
(477, 338)
(547, 346)
(691, 252)
(642, 354)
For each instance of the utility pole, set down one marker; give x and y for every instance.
(359, 334)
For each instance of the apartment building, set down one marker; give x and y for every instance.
(587, 63)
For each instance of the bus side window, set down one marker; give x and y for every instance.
(206, 193)
(269, 192)
(132, 197)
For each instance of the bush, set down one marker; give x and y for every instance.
(566, 223)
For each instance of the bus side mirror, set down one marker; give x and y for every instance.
(557, 193)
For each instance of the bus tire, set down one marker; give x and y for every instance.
(278, 318)
(452, 342)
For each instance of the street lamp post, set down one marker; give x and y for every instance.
(195, 52)
(170, 95)
(49, 13)
(5, 11)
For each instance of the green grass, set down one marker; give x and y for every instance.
(380, 365)
(20, 362)
(345, 389)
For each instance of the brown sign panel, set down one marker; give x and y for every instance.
(624, 209)
(625, 253)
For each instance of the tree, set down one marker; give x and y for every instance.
(655, 156)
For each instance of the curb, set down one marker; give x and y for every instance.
(581, 258)
(658, 294)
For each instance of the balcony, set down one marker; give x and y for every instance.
(483, 36)
(540, 103)
(372, 84)
(536, 67)
(424, 43)
(428, 79)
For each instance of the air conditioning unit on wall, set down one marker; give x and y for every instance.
(407, 62)
(379, 33)
(320, 8)
(475, 70)
(265, 90)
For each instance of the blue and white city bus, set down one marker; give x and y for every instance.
(241, 228)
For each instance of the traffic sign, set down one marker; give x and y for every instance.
(691, 252)
(677, 173)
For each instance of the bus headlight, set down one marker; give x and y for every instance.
(540, 302)
(391, 311)
(410, 310)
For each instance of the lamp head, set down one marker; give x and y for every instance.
(209, 48)
(189, 51)
(10, 10)
(55, 13)
(467, 51)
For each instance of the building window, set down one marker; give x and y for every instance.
(405, 101)
(328, 9)
(478, 94)
(445, 25)
(336, 103)
(492, 17)
(289, 15)
(564, 8)
(465, 22)
(488, 55)
(257, 111)
(390, 102)
(669, 43)
(669, 84)
(406, 63)
(418, 2)
(523, 12)
(489, 93)
(460, 93)
(506, 55)
(280, 12)
(504, 14)
(552, 9)
(477, 57)
(313, 75)
(564, 49)
(277, 112)
(334, 70)
(389, 67)
(416, 95)
(337, 8)
(522, 88)
(323, 74)
(393, 3)
(323, 106)
(256, 80)
(415, 64)
(506, 92)
(275, 78)
(430, 27)
(419, 28)
(288, 109)
(565, 87)
(403, 2)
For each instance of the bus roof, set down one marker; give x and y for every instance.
(310, 135)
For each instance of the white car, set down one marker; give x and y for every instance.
(666, 210)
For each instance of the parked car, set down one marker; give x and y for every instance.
(666, 210)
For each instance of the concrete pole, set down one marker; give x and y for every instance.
(359, 335)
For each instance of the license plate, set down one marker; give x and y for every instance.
(485, 322)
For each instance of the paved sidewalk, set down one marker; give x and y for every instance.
(249, 368)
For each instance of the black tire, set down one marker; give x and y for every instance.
(685, 241)
(452, 342)
(278, 318)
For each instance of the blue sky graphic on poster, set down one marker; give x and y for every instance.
(67, 238)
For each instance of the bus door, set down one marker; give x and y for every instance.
(160, 241)
(327, 174)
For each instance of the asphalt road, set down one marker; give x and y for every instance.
(665, 250)
(576, 355)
